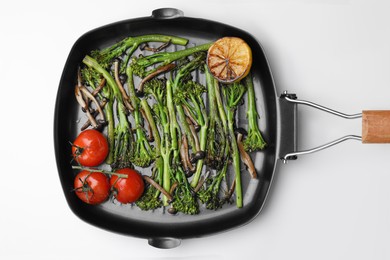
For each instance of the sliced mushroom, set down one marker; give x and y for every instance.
(146, 46)
(94, 113)
(187, 165)
(126, 99)
(191, 118)
(193, 132)
(88, 95)
(199, 155)
(245, 158)
(159, 71)
(84, 106)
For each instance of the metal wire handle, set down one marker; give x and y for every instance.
(292, 155)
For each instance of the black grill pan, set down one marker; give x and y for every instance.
(159, 227)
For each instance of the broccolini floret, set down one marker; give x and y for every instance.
(150, 200)
(184, 198)
(210, 195)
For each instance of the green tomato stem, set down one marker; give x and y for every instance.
(119, 175)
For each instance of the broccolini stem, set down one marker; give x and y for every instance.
(222, 115)
(106, 55)
(123, 45)
(216, 135)
(186, 127)
(199, 164)
(166, 155)
(173, 56)
(173, 125)
(167, 57)
(165, 150)
(254, 140)
(204, 124)
(251, 113)
(184, 72)
(91, 62)
(127, 58)
(232, 96)
(235, 157)
(134, 100)
(221, 108)
(160, 171)
(144, 153)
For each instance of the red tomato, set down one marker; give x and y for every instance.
(90, 148)
(92, 187)
(130, 189)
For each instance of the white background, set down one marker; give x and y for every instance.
(331, 205)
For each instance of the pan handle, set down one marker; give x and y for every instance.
(167, 13)
(289, 102)
(376, 126)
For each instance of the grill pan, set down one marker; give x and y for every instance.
(278, 117)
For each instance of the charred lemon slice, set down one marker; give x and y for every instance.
(229, 59)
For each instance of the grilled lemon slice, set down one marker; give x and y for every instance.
(229, 59)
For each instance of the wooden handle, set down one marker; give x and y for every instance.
(376, 126)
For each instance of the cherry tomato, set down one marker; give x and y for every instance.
(90, 148)
(130, 189)
(92, 187)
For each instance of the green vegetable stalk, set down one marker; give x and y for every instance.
(157, 89)
(233, 94)
(172, 149)
(151, 198)
(216, 136)
(254, 140)
(200, 114)
(183, 75)
(141, 64)
(144, 153)
(174, 127)
(105, 56)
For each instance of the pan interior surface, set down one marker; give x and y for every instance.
(129, 219)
